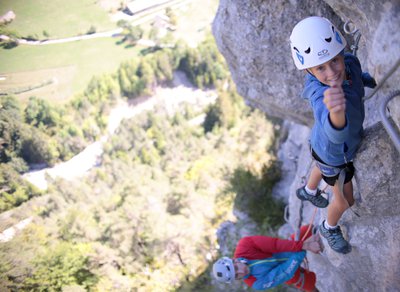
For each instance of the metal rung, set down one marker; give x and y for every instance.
(393, 133)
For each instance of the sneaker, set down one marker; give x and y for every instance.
(335, 239)
(318, 200)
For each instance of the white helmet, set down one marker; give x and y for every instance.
(223, 270)
(314, 41)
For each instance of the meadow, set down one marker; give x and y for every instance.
(57, 18)
(58, 71)
(70, 66)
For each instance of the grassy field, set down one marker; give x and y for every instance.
(70, 65)
(58, 18)
(67, 68)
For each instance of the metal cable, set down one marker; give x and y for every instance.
(393, 134)
(388, 74)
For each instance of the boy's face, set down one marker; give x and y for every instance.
(241, 269)
(330, 73)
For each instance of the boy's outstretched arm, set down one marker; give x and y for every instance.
(335, 102)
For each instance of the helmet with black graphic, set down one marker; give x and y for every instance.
(223, 270)
(314, 41)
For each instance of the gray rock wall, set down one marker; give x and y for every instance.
(253, 36)
(373, 264)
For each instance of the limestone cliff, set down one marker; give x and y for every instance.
(253, 36)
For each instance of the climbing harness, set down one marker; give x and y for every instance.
(331, 171)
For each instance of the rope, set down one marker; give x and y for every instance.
(309, 225)
(297, 237)
(297, 230)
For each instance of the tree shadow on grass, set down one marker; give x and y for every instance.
(9, 45)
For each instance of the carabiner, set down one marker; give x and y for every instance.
(347, 26)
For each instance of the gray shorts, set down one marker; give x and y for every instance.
(331, 180)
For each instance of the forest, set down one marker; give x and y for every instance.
(145, 218)
(42, 133)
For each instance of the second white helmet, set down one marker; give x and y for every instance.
(314, 41)
(224, 270)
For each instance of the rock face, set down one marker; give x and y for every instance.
(253, 36)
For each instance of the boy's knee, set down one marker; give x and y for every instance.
(340, 204)
(343, 206)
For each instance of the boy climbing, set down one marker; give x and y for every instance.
(334, 86)
(264, 262)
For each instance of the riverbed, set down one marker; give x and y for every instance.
(170, 97)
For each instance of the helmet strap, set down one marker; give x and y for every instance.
(309, 72)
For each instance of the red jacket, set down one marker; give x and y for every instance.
(261, 247)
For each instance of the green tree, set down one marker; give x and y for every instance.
(128, 79)
(225, 112)
(172, 16)
(124, 82)
(145, 74)
(37, 147)
(212, 118)
(13, 37)
(14, 190)
(102, 89)
(10, 128)
(204, 65)
(254, 195)
(164, 67)
(131, 33)
(135, 77)
(39, 113)
(62, 265)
